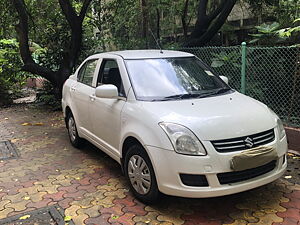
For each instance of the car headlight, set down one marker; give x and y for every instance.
(183, 140)
(280, 128)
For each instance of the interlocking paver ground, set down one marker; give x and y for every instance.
(91, 189)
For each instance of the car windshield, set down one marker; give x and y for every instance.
(173, 78)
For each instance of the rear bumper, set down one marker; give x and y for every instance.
(168, 165)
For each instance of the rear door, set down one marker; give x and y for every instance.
(82, 93)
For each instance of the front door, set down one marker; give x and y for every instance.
(106, 113)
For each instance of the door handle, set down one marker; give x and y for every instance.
(73, 89)
(92, 97)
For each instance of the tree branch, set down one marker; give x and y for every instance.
(183, 17)
(70, 55)
(214, 27)
(22, 31)
(217, 11)
(69, 12)
(84, 8)
(202, 9)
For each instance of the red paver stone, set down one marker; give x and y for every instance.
(39, 204)
(115, 210)
(55, 197)
(76, 195)
(84, 181)
(102, 219)
(88, 188)
(288, 221)
(69, 189)
(65, 203)
(290, 213)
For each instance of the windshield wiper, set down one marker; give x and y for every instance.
(182, 96)
(194, 95)
(220, 90)
(217, 91)
(176, 97)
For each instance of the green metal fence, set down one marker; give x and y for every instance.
(268, 74)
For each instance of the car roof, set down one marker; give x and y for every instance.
(146, 54)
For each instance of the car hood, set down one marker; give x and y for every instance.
(216, 117)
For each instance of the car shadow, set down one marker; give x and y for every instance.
(246, 205)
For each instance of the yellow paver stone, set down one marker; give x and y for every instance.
(5, 212)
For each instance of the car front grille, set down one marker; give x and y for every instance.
(245, 142)
(233, 177)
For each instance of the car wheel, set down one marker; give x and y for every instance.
(75, 140)
(140, 173)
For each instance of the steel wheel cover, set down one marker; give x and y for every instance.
(72, 128)
(139, 174)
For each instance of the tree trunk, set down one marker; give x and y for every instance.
(157, 24)
(207, 25)
(57, 78)
(183, 18)
(145, 22)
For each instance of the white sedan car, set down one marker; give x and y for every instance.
(174, 126)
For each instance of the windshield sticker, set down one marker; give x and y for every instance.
(209, 73)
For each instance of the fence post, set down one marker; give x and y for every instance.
(243, 68)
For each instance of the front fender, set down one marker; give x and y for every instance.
(144, 128)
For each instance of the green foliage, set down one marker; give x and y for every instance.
(223, 58)
(119, 23)
(46, 96)
(7, 19)
(286, 14)
(266, 33)
(11, 77)
(289, 31)
(272, 33)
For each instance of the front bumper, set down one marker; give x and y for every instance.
(168, 165)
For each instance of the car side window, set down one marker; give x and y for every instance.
(86, 72)
(110, 74)
(81, 72)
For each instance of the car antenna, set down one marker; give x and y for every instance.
(157, 42)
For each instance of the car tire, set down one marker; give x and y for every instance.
(140, 174)
(75, 140)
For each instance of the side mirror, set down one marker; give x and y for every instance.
(225, 79)
(106, 91)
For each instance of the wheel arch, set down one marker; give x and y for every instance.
(67, 112)
(129, 141)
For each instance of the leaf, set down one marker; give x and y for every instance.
(67, 218)
(296, 20)
(114, 217)
(14, 140)
(217, 63)
(38, 124)
(254, 41)
(26, 124)
(24, 217)
(256, 35)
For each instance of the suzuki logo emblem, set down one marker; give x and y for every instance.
(249, 142)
